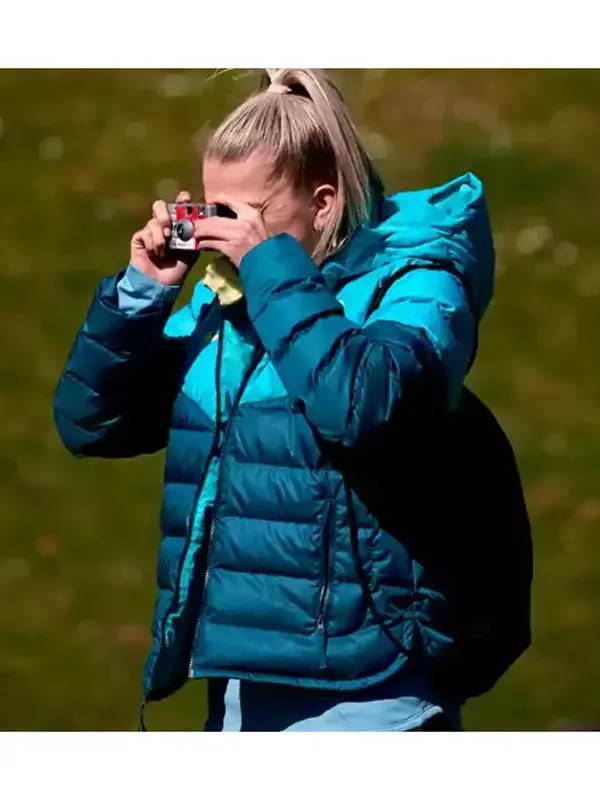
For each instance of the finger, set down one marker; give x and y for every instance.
(161, 214)
(137, 240)
(215, 245)
(158, 236)
(147, 240)
(216, 228)
(184, 197)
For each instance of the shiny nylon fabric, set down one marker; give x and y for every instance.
(276, 597)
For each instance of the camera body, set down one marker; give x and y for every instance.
(184, 215)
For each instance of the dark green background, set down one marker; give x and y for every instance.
(82, 156)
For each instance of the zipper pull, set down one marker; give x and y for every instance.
(142, 722)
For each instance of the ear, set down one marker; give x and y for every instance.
(323, 204)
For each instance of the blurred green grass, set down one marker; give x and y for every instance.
(82, 156)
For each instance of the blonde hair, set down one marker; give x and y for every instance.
(299, 116)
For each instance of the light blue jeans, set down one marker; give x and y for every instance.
(402, 703)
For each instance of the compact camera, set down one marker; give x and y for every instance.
(184, 215)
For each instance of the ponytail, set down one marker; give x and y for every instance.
(301, 117)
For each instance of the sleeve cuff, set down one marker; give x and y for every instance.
(106, 322)
(275, 264)
(137, 292)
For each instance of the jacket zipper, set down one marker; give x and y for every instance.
(326, 547)
(258, 353)
(214, 447)
(210, 514)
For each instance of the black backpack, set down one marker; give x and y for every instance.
(448, 487)
(491, 557)
(455, 478)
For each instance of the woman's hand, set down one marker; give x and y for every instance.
(150, 253)
(233, 237)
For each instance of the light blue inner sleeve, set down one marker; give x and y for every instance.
(137, 292)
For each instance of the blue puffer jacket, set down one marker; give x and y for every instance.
(273, 565)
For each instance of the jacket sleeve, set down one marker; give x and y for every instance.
(349, 379)
(115, 396)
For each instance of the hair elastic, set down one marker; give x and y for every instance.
(278, 88)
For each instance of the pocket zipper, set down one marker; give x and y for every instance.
(324, 593)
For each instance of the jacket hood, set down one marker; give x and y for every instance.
(449, 222)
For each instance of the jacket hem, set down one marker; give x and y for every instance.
(349, 685)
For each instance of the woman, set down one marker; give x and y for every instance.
(307, 408)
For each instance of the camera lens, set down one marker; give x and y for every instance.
(184, 230)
